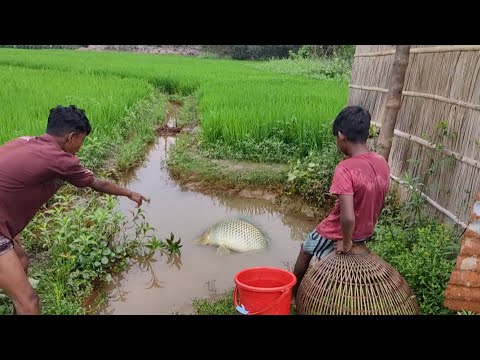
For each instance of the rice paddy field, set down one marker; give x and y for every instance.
(27, 95)
(236, 100)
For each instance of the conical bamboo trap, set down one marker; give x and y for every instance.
(358, 283)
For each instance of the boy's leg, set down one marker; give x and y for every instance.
(316, 245)
(22, 255)
(15, 284)
(301, 266)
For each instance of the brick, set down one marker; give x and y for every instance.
(469, 263)
(470, 247)
(465, 278)
(463, 293)
(458, 305)
(469, 234)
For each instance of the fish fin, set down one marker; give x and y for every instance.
(222, 250)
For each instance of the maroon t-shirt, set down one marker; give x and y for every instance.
(367, 178)
(32, 169)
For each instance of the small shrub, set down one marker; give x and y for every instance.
(311, 176)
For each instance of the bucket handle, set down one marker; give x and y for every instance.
(246, 312)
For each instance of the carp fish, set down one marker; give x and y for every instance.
(237, 235)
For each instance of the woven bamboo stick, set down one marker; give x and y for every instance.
(423, 142)
(378, 53)
(433, 203)
(442, 98)
(369, 88)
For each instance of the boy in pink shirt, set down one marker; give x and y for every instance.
(360, 182)
(32, 169)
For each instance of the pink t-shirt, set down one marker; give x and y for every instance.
(32, 169)
(367, 178)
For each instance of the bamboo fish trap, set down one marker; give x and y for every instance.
(358, 283)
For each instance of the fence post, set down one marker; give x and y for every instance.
(394, 98)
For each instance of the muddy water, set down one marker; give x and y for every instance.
(158, 287)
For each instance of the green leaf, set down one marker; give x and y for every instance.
(104, 260)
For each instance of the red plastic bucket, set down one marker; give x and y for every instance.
(263, 291)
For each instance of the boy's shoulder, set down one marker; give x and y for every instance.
(362, 164)
(359, 160)
(37, 148)
(348, 163)
(23, 140)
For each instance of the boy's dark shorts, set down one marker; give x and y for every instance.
(319, 246)
(5, 244)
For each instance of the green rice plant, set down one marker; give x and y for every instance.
(236, 101)
(27, 95)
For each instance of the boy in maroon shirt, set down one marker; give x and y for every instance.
(360, 182)
(32, 169)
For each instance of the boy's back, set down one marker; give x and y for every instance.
(367, 177)
(31, 170)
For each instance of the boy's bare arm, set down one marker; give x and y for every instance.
(110, 188)
(347, 221)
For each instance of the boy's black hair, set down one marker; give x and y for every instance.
(63, 120)
(354, 123)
